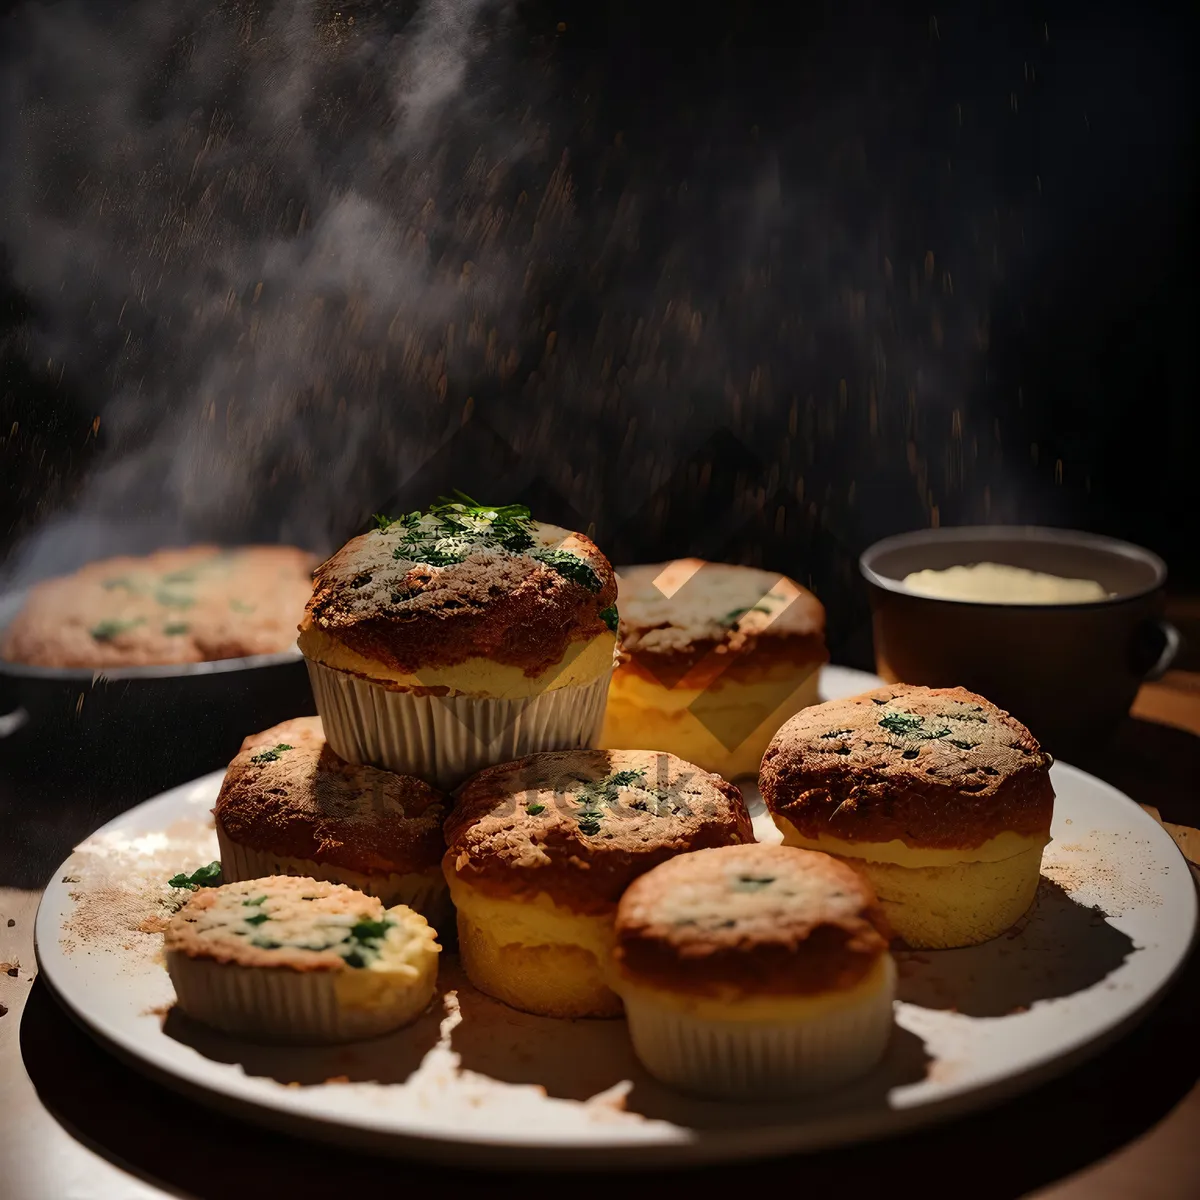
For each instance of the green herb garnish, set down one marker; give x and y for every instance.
(364, 938)
(175, 628)
(173, 600)
(257, 919)
(255, 902)
(752, 883)
(240, 606)
(598, 792)
(535, 810)
(367, 930)
(610, 617)
(107, 630)
(209, 876)
(911, 726)
(122, 581)
(188, 576)
(571, 567)
(735, 615)
(271, 755)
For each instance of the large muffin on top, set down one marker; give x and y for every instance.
(714, 658)
(442, 641)
(941, 799)
(540, 850)
(194, 604)
(289, 806)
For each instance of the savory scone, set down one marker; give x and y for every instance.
(443, 641)
(175, 606)
(941, 799)
(289, 806)
(541, 849)
(754, 972)
(288, 959)
(713, 659)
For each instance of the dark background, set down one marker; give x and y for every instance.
(942, 264)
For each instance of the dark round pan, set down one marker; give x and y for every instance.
(162, 724)
(1068, 671)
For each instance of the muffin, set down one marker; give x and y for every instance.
(175, 606)
(541, 849)
(939, 798)
(754, 972)
(438, 643)
(286, 959)
(289, 806)
(713, 659)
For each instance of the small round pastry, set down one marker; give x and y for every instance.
(754, 972)
(713, 659)
(942, 800)
(287, 959)
(541, 849)
(195, 604)
(289, 806)
(438, 643)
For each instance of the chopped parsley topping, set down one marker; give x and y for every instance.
(209, 876)
(173, 599)
(363, 941)
(735, 615)
(271, 755)
(258, 918)
(453, 529)
(107, 630)
(122, 581)
(596, 794)
(752, 883)
(910, 725)
(570, 567)
(610, 617)
(175, 628)
(255, 901)
(186, 576)
(535, 810)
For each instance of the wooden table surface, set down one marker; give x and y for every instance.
(75, 1124)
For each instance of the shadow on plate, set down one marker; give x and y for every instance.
(1059, 948)
(390, 1059)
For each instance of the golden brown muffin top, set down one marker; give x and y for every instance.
(676, 614)
(291, 922)
(769, 920)
(287, 793)
(461, 581)
(936, 768)
(580, 825)
(195, 604)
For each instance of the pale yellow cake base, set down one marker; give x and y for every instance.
(644, 715)
(939, 899)
(534, 954)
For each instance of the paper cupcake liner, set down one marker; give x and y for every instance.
(425, 892)
(746, 1060)
(276, 1004)
(443, 739)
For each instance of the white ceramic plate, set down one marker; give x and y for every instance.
(476, 1082)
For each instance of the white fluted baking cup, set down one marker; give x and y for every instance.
(278, 1004)
(750, 1060)
(425, 891)
(443, 739)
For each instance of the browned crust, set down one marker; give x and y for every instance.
(690, 633)
(510, 608)
(497, 846)
(216, 603)
(835, 770)
(182, 935)
(309, 804)
(690, 925)
(717, 668)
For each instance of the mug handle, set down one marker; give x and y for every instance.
(1172, 640)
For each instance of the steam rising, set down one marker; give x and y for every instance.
(288, 251)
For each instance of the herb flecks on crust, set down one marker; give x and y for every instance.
(271, 755)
